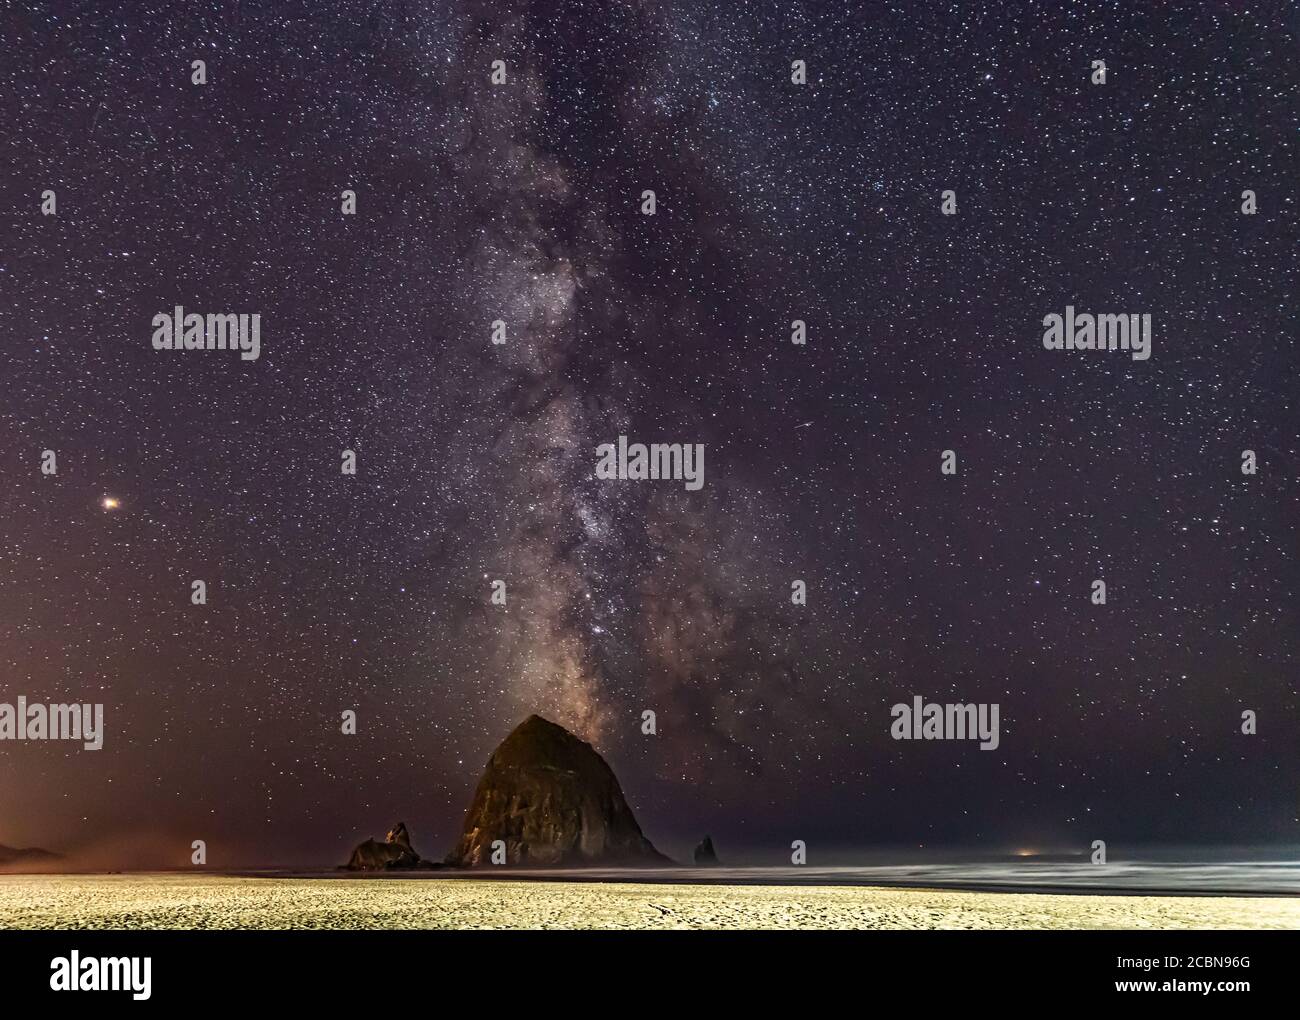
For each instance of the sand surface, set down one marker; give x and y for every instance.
(212, 901)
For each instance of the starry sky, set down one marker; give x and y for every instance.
(776, 201)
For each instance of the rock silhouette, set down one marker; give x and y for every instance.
(552, 800)
(20, 856)
(395, 852)
(705, 855)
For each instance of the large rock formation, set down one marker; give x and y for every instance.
(553, 801)
(394, 852)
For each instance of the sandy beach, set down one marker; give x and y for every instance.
(214, 901)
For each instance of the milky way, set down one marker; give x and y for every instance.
(520, 202)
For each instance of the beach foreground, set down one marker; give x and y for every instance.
(214, 901)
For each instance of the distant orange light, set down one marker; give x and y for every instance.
(109, 503)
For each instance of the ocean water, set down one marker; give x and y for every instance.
(1276, 877)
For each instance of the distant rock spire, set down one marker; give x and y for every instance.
(705, 855)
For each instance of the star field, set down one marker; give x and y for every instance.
(521, 202)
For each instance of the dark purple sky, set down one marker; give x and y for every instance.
(775, 202)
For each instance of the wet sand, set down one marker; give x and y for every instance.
(216, 901)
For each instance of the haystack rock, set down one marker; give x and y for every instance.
(395, 852)
(552, 800)
(705, 855)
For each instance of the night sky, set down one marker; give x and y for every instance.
(775, 201)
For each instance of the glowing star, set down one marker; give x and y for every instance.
(109, 503)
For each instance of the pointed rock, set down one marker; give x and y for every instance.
(394, 852)
(552, 800)
(705, 855)
(399, 835)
